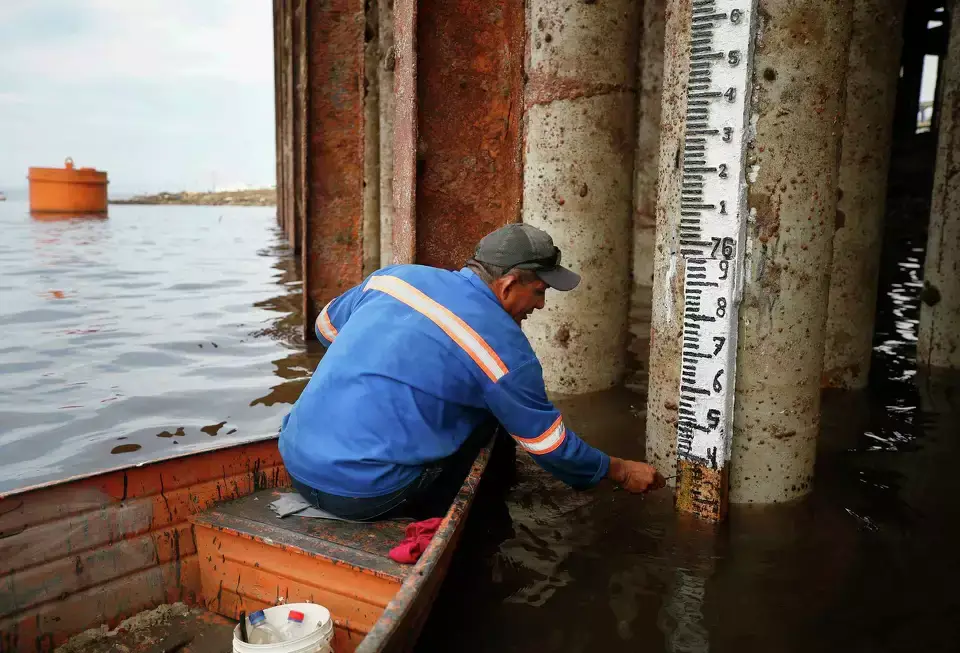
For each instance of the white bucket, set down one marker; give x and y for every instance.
(316, 631)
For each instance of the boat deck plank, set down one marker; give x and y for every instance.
(360, 545)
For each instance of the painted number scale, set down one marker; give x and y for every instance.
(712, 224)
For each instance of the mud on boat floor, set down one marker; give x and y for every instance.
(173, 628)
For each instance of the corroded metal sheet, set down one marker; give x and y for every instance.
(289, 114)
(333, 239)
(100, 548)
(300, 118)
(405, 132)
(278, 102)
(469, 126)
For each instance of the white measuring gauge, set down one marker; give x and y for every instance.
(712, 223)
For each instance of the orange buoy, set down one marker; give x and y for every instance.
(68, 189)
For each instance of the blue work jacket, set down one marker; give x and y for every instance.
(417, 359)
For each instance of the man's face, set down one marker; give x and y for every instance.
(520, 299)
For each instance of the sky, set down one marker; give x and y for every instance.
(161, 94)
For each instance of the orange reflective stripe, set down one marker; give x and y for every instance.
(458, 330)
(325, 326)
(547, 441)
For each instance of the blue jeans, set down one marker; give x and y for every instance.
(428, 495)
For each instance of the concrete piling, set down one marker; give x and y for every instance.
(798, 110)
(646, 155)
(403, 242)
(796, 121)
(580, 105)
(938, 344)
(667, 301)
(873, 72)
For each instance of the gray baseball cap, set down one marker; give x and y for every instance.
(525, 247)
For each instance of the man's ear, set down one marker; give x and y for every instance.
(507, 283)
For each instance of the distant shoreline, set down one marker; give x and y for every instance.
(252, 197)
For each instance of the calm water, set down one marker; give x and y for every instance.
(157, 329)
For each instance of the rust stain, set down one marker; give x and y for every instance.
(806, 24)
(839, 377)
(767, 214)
(544, 88)
(333, 230)
(470, 91)
(702, 490)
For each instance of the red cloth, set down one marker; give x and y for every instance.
(418, 536)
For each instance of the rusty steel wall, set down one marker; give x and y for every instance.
(278, 103)
(289, 29)
(283, 53)
(335, 140)
(289, 114)
(298, 149)
(470, 115)
(404, 225)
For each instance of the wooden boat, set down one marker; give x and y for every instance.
(198, 528)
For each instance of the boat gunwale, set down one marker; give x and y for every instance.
(399, 608)
(145, 463)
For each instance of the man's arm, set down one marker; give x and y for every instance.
(335, 314)
(519, 401)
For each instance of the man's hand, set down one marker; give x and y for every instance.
(634, 476)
